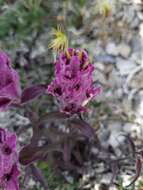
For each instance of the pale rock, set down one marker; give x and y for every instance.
(136, 44)
(99, 66)
(141, 30)
(119, 93)
(115, 128)
(108, 69)
(137, 80)
(112, 49)
(106, 179)
(137, 1)
(127, 106)
(125, 66)
(107, 59)
(125, 1)
(4, 119)
(116, 139)
(136, 58)
(135, 23)
(88, 186)
(129, 14)
(124, 50)
(96, 186)
(140, 15)
(131, 128)
(115, 80)
(94, 151)
(99, 76)
(69, 179)
(113, 188)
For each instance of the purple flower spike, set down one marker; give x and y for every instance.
(10, 90)
(9, 171)
(73, 83)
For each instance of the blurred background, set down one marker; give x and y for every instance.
(112, 32)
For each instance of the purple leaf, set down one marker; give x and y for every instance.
(30, 153)
(53, 116)
(83, 126)
(32, 92)
(138, 170)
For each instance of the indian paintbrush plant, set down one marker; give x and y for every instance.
(62, 137)
(73, 87)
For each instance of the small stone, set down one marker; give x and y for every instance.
(140, 15)
(131, 128)
(141, 30)
(136, 57)
(116, 139)
(105, 59)
(136, 44)
(99, 76)
(129, 14)
(106, 179)
(115, 131)
(112, 49)
(137, 1)
(113, 188)
(115, 80)
(135, 23)
(125, 66)
(94, 151)
(96, 187)
(124, 50)
(137, 81)
(126, 2)
(69, 179)
(100, 66)
(119, 93)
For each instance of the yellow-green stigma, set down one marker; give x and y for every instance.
(60, 41)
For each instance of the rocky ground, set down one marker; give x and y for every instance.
(119, 69)
(116, 48)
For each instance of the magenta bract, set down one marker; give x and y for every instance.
(10, 90)
(9, 170)
(73, 83)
